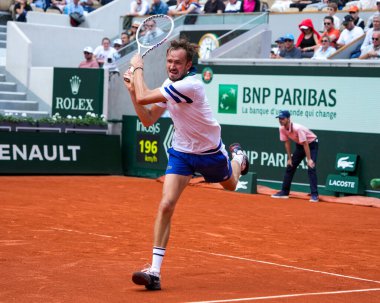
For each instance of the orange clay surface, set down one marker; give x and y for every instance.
(78, 239)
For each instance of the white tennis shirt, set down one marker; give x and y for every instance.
(196, 130)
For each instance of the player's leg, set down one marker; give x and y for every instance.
(173, 187)
(239, 164)
(178, 175)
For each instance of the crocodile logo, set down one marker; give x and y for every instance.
(343, 163)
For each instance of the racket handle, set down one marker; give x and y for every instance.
(127, 74)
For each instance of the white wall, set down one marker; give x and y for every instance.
(41, 84)
(19, 53)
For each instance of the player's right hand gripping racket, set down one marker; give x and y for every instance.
(152, 33)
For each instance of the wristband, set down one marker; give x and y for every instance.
(136, 68)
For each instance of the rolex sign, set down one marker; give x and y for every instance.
(77, 91)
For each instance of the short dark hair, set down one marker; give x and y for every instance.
(329, 18)
(190, 48)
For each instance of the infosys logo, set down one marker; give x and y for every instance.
(227, 101)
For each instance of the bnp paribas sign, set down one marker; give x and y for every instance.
(77, 91)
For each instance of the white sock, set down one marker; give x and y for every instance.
(238, 158)
(158, 257)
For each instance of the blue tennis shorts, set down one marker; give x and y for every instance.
(214, 167)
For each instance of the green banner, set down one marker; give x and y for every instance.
(342, 184)
(52, 153)
(346, 162)
(145, 148)
(77, 91)
(144, 152)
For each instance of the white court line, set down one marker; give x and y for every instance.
(290, 296)
(282, 265)
(81, 232)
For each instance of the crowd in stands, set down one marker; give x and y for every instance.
(76, 8)
(335, 35)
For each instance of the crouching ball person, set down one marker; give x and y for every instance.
(196, 145)
(306, 146)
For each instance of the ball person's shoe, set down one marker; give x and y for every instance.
(150, 279)
(236, 150)
(280, 195)
(314, 198)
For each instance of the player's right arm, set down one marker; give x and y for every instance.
(147, 115)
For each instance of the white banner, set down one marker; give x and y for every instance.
(345, 104)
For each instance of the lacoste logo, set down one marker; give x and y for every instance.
(75, 83)
(227, 98)
(343, 163)
(242, 185)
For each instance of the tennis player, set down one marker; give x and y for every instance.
(196, 146)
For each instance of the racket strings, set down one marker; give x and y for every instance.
(154, 31)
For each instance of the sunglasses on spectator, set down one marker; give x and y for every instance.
(352, 12)
(327, 23)
(87, 53)
(325, 41)
(287, 40)
(375, 39)
(134, 26)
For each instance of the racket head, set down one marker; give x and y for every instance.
(153, 32)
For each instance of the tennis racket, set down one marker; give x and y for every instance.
(152, 33)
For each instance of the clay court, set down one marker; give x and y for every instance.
(78, 239)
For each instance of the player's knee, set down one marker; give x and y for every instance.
(167, 207)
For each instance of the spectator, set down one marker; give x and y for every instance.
(330, 30)
(280, 5)
(159, 7)
(354, 12)
(350, 33)
(369, 21)
(38, 4)
(372, 51)
(320, 4)
(133, 30)
(250, 6)
(137, 8)
(105, 2)
(233, 6)
(306, 146)
(376, 27)
(58, 4)
(89, 61)
(301, 4)
(275, 52)
(73, 7)
(290, 51)
(104, 51)
(186, 7)
(214, 7)
(151, 32)
(124, 38)
(308, 38)
(21, 9)
(88, 5)
(325, 50)
(332, 8)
